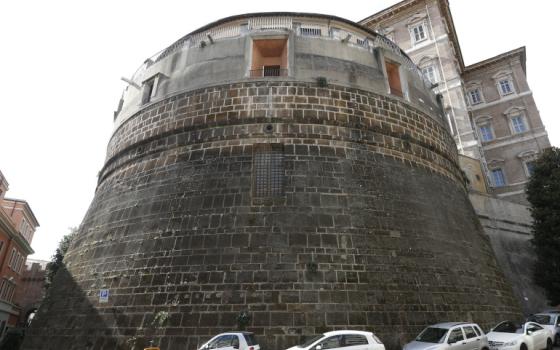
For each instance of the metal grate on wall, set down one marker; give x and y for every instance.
(268, 169)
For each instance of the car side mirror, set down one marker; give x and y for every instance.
(318, 347)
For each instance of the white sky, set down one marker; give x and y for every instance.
(61, 63)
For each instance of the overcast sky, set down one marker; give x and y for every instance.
(61, 64)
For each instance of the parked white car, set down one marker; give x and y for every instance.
(511, 336)
(550, 320)
(450, 336)
(349, 340)
(231, 341)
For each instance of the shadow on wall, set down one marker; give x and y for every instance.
(92, 325)
(108, 331)
(60, 321)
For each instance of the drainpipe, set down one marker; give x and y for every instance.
(444, 78)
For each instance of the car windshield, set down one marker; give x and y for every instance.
(432, 335)
(310, 341)
(542, 319)
(508, 327)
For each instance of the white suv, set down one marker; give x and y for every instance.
(231, 341)
(344, 340)
(450, 336)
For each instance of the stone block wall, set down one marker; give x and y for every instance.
(371, 227)
(509, 227)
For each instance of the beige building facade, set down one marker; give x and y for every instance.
(488, 105)
(425, 31)
(507, 121)
(495, 122)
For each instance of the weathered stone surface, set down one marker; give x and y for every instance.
(508, 226)
(373, 231)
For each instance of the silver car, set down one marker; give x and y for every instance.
(450, 336)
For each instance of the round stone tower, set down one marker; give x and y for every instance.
(284, 173)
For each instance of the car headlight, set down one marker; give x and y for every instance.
(510, 343)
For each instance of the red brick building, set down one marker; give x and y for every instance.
(17, 227)
(32, 290)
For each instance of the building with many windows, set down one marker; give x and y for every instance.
(507, 120)
(489, 105)
(424, 30)
(494, 120)
(17, 226)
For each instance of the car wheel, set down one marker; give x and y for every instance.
(548, 344)
(523, 347)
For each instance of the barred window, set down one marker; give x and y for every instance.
(268, 169)
(310, 31)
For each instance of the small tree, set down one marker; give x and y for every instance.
(543, 192)
(57, 258)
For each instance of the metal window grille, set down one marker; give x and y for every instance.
(267, 23)
(271, 71)
(361, 42)
(310, 31)
(268, 170)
